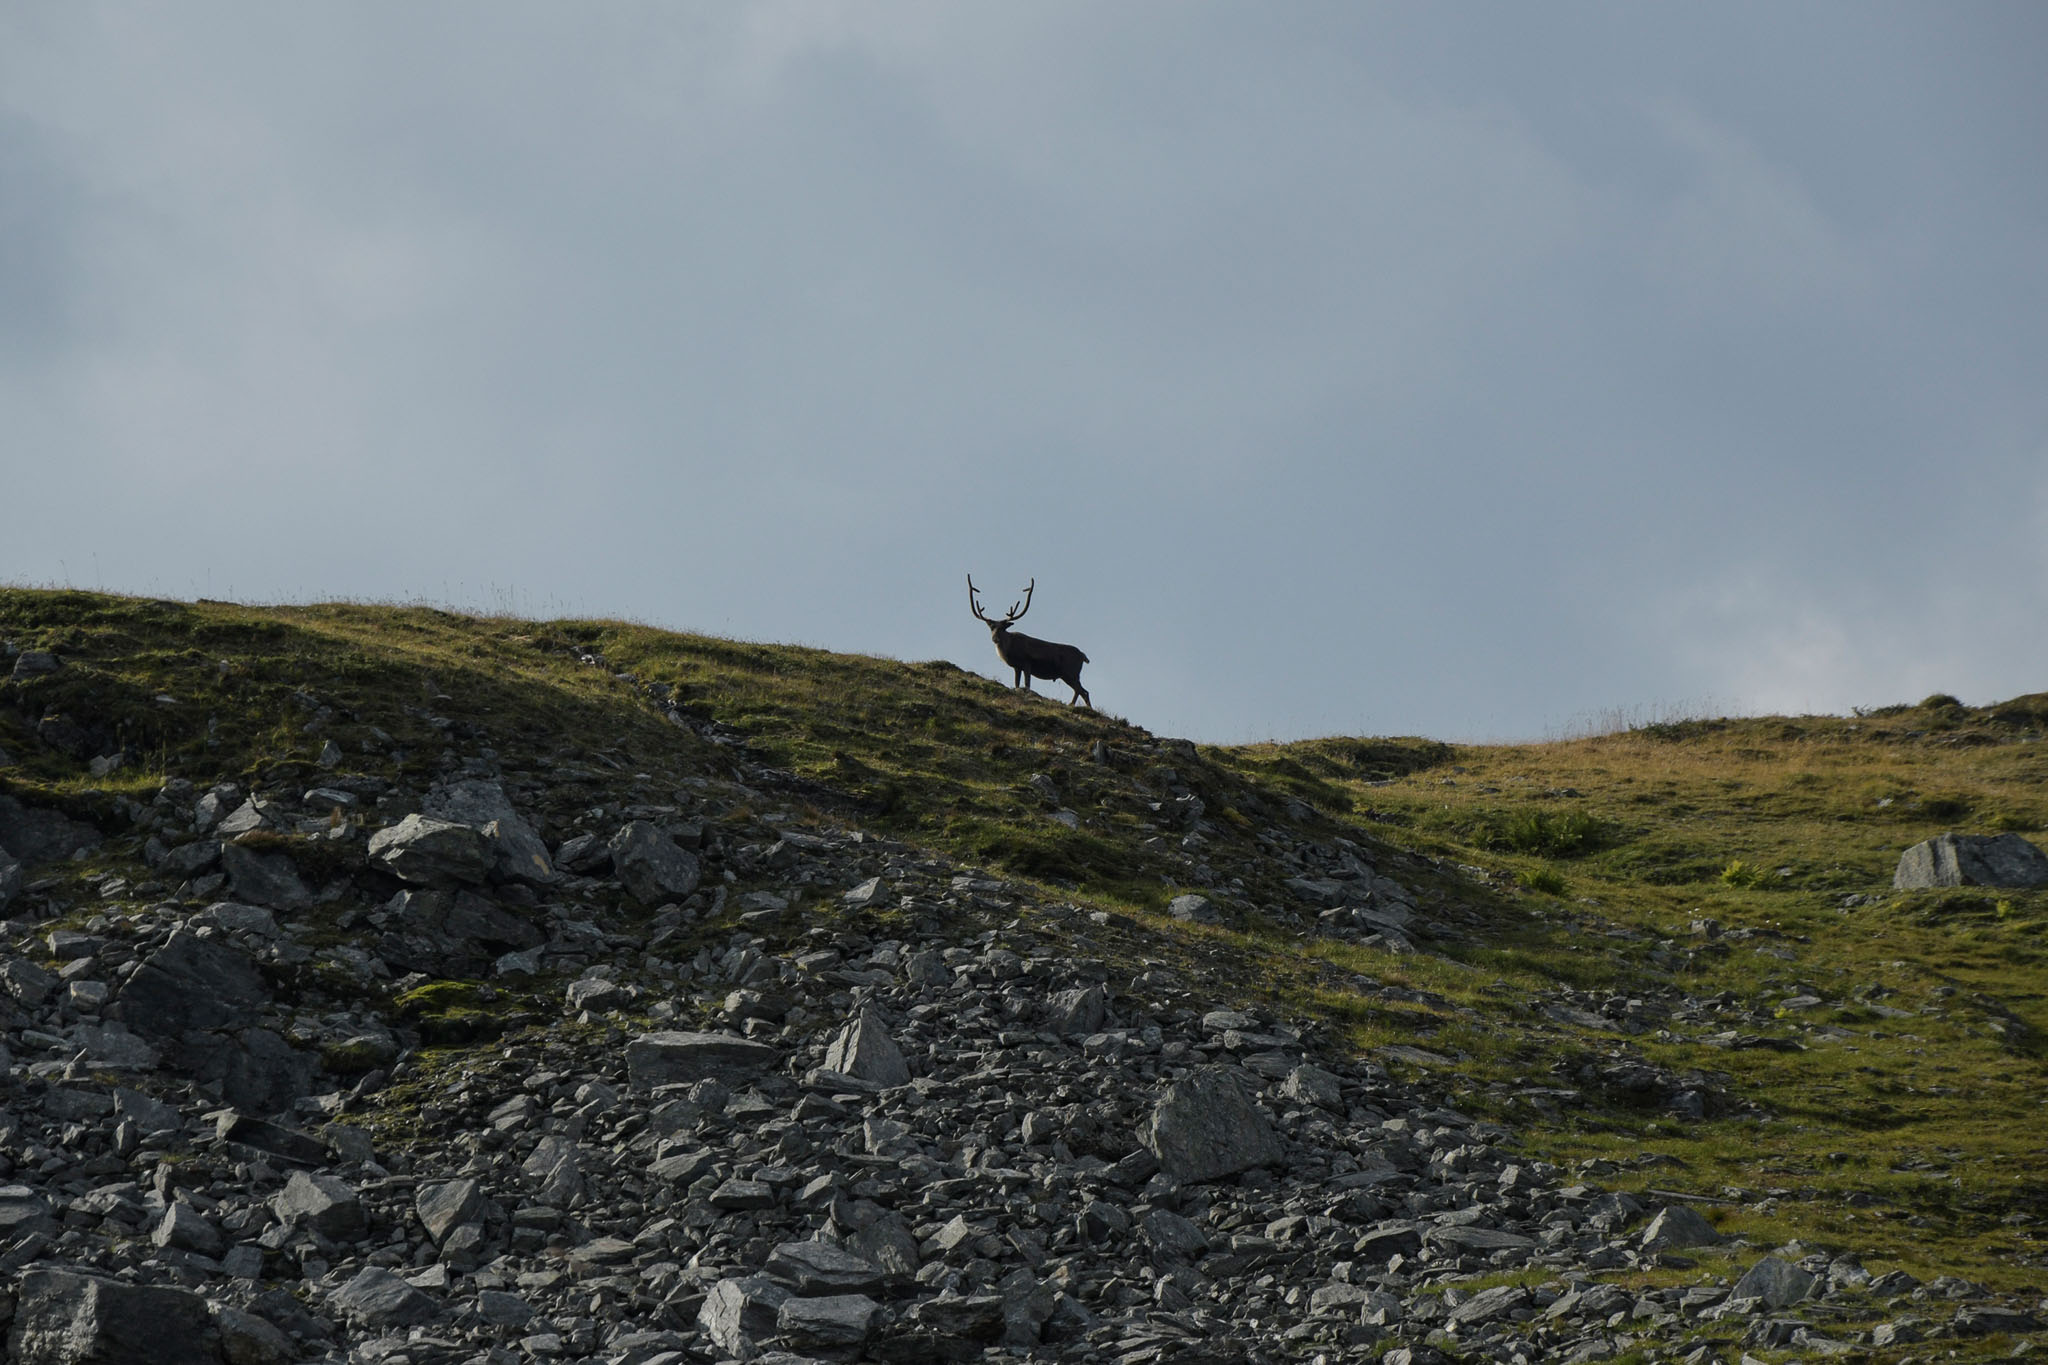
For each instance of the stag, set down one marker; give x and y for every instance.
(1031, 658)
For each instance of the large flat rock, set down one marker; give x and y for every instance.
(1971, 860)
(679, 1058)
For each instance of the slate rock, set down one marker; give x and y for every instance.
(1777, 1282)
(817, 1268)
(1206, 1127)
(888, 1243)
(1194, 909)
(1387, 1241)
(27, 982)
(584, 854)
(1078, 1013)
(865, 1051)
(263, 878)
(1174, 1240)
(1471, 1239)
(1971, 860)
(192, 983)
(12, 878)
(378, 1298)
(473, 919)
(739, 1311)
(429, 852)
(1978, 1320)
(836, 1320)
(679, 1058)
(65, 1318)
(1677, 1226)
(246, 1339)
(187, 1229)
(22, 1210)
(324, 1203)
(34, 835)
(1310, 1084)
(445, 1206)
(653, 867)
(516, 852)
(974, 1317)
(1489, 1304)
(35, 663)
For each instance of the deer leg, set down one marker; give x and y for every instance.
(1023, 680)
(1080, 695)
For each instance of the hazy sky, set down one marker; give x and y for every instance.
(1467, 370)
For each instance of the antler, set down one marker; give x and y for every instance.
(1017, 609)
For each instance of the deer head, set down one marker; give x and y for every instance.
(1001, 623)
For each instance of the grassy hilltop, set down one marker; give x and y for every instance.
(1708, 901)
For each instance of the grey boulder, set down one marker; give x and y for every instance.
(835, 1320)
(1194, 909)
(865, 1051)
(429, 852)
(516, 852)
(1678, 1226)
(263, 878)
(737, 1311)
(1779, 1283)
(64, 1318)
(193, 983)
(324, 1203)
(652, 865)
(1206, 1127)
(1971, 860)
(820, 1268)
(444, 1207)
(378, 1298)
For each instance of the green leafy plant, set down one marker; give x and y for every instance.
(1742, 874)
(1544, 880)
(1551, 835)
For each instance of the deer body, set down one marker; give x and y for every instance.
(1028, 656)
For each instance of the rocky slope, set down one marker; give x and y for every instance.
(556, 1060)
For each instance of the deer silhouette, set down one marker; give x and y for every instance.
(1029, 657)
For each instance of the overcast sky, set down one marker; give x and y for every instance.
(1477, 371)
